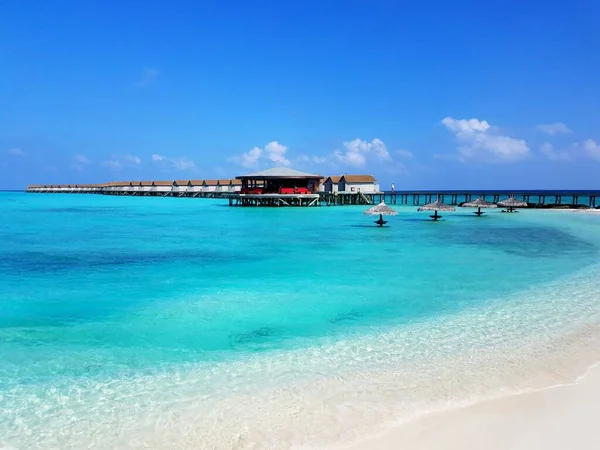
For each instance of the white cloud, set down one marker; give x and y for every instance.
(548, 150)
(554, 128)
(132, 160)
(16, 152)
(181, 163)
(147, 77)
(119, 162)
(404, 154)
(276, 153)
(306, 159)
(273, 152)
(81, 159)
(247, 159)
(113, 164)
(591, 148)
(585, 149)
(77, 167)
(357, 151)
(479, 142)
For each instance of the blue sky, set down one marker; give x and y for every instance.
(426, 94)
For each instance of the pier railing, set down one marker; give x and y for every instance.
(533, 198)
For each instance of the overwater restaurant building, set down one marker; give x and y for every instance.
(280, 180)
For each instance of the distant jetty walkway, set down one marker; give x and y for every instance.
(283, 186)
(222, 189)
(534, 198)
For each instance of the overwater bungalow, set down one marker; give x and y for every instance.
(134, 188)
(210, 186)
(145, 187)
(113, 187)
(122, 187)
(180, 187)
(161, 188)
(331, 184)
(367, 184)
(131, 188)
(236, 185)
(224, 186)
(196, 187)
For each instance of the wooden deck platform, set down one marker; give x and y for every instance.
(276, 200)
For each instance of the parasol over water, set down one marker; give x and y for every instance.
(435, 207)
(511, 203)
(479, 203)
(383, 210)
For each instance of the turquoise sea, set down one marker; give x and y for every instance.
(184, 323)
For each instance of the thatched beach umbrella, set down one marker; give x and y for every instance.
(383, 210)
(511, 203)
(479, 203)
(435, 207)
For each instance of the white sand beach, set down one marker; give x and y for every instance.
(590, 211)
(562, 417)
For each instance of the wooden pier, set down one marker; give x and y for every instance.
(351, 198)
(535, 199)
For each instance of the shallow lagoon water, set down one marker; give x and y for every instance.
(147, 321)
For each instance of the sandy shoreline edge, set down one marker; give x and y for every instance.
(557, 417)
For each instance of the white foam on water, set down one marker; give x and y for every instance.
(329, 394)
